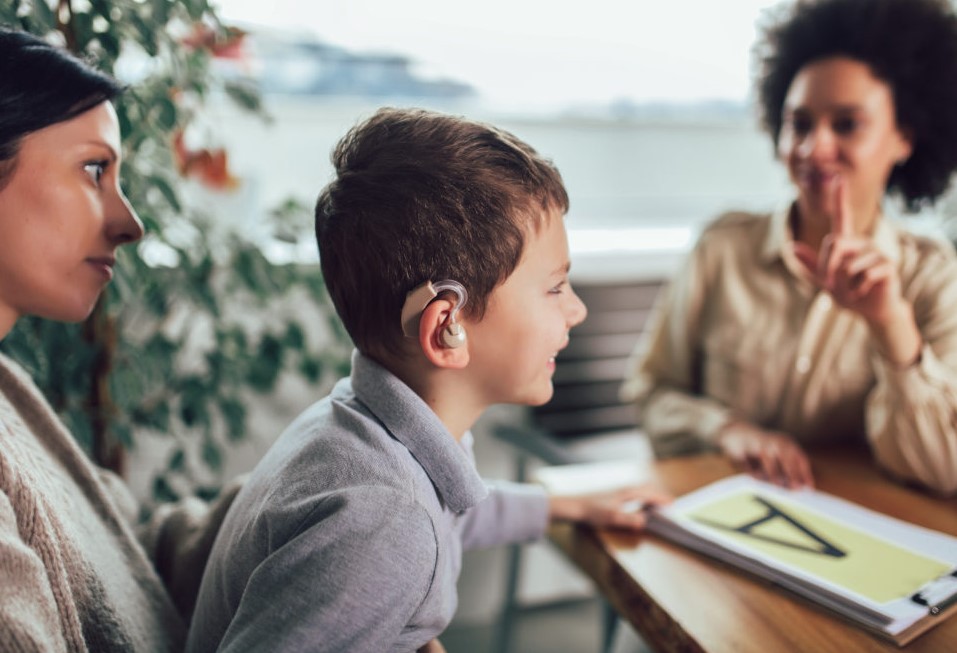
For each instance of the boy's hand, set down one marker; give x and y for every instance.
(767, 455)
(623, 508)
(435, 646)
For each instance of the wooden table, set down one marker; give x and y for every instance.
(681, 601)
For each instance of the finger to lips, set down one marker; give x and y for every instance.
(832, 253)
(840, 251)
(841, 229)
(841, 222)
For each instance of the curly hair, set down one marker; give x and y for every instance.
(911, 45)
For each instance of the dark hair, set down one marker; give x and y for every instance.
(911, 45)
(422, 196)
(41, 85)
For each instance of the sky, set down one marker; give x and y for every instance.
(542, 52)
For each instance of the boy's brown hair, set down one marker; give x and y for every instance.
(423, 196)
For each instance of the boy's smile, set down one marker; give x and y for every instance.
(513, 347)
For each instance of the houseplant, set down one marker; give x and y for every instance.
(166, 350)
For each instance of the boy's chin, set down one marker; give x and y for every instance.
(542, 398)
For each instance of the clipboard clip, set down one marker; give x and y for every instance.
(938, 595)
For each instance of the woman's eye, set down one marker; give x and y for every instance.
(95, 169)
(845, 125)
(557, 290)
(800, 125)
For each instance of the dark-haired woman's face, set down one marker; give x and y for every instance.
(62, 218)
(839, 122)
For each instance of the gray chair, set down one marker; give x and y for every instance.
(585, 419)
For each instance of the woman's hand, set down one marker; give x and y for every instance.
(768, 455)
(624, 508)
(860, 278)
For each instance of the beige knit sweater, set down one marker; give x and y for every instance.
(72, 575)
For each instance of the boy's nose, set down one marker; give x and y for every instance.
(577, 311)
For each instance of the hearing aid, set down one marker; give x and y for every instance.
(453, 335)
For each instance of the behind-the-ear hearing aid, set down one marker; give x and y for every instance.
(453, 335)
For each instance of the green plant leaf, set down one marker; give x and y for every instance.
(234, 412)
(212, 455)
(163, 491)
(177, 461)
(245, 94)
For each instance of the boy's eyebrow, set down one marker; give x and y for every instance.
(563, 268)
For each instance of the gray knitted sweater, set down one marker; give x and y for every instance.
(73, 576)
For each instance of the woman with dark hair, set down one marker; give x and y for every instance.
(72, 575)
(826, 319)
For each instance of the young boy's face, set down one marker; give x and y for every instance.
(513, 348)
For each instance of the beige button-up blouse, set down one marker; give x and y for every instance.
(742, 333)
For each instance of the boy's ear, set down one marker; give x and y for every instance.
(434, 321)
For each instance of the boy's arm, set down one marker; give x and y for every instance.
(512, 512)
(625, 508)
(520, 512)
(353, 579)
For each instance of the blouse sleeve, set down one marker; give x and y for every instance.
(912, 413)
(663, 374)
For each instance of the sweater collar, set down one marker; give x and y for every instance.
(409, 420)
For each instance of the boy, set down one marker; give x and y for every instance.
(444, 250)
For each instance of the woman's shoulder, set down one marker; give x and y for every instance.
(926, 248)
(736, 222)
(734, 233)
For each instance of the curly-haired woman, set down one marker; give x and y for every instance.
(826, 319)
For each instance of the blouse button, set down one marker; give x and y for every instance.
(803, 364)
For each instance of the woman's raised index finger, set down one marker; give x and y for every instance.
(842, 224)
